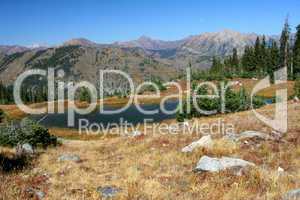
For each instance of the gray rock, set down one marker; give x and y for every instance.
(40, 194)
(205, 142)
(247, 135)
(253, 134)
(208, 164)
(37, 193)
(24, 149)
(69, 157)
(108, 191)
(292, 195)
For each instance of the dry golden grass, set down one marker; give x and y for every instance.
(153, 167)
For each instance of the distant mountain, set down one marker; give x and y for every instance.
(148, 43)
(142, 58)
(81, 42)
(198, 49)
(10, 49)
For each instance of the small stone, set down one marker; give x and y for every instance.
(108, 191)
(69, 157)
(40, 194)
(280, 170)
(292, 195)
(205, 142)
(24, 149)
(37, 193)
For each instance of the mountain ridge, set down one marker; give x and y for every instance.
(143, 41)
(142, 58)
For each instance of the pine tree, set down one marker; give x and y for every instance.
(284, 47)
(235, 60)
(248, 59)
(217, 66)
(296, 54)
(263, 56)
(272, 59)
(257, 55)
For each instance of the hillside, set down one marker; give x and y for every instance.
(153, 167)
(82, 62)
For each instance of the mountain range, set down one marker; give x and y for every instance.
(143, 57)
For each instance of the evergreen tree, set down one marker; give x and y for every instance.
(248, 59)
(257, 55)
(217, 66)
(296, 54)
(273, 59)
(235, 61)
(284, 47)
(263, 56)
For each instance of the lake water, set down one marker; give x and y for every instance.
(131, 115)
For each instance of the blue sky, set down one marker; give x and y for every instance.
(51, 22)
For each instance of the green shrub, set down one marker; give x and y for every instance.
(27, 131)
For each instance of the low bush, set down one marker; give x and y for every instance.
(27, 131)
